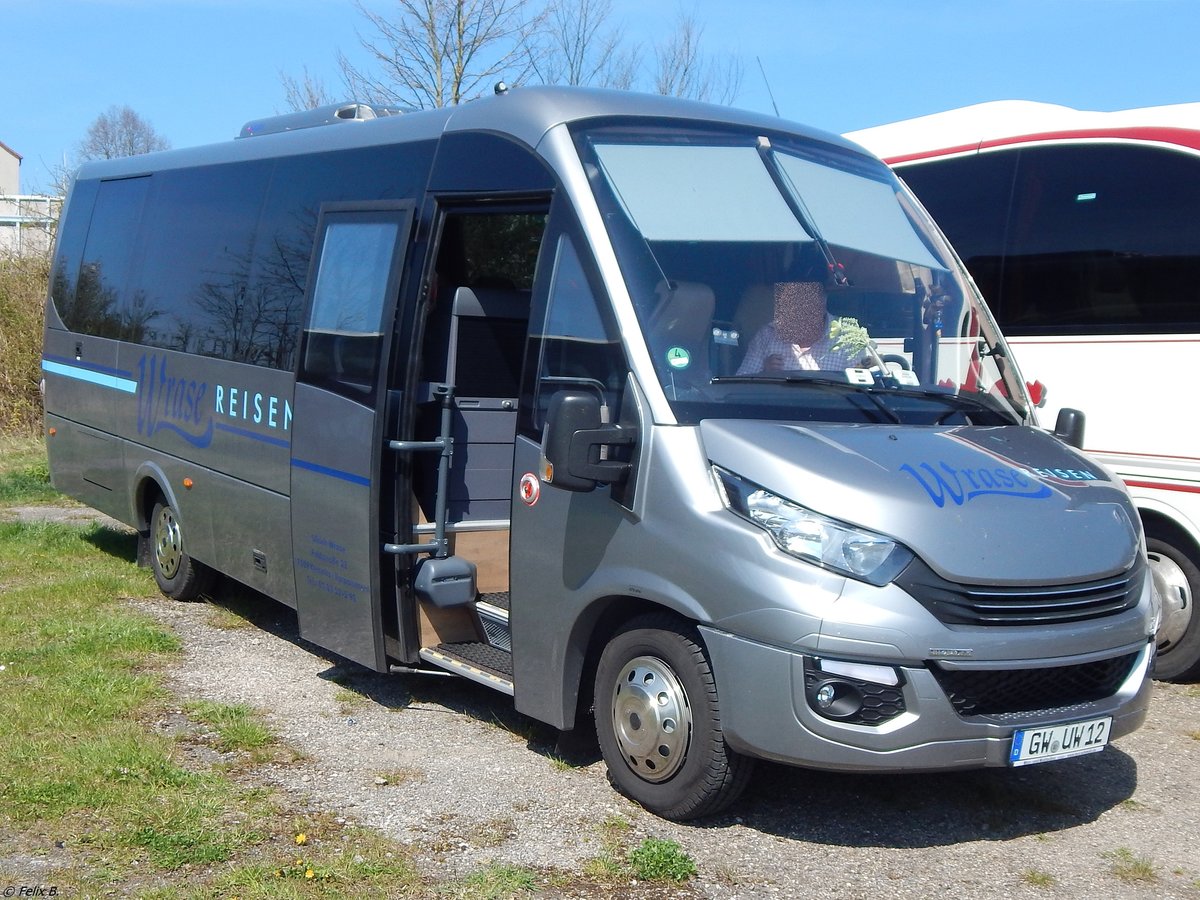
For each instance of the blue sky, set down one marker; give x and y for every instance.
(198, 69)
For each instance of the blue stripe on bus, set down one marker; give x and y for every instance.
(110, 378)
(242, 432)
(332, 473)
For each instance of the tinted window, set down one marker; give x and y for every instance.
(289, 226)
(72, 234)
(219, 264)
(100, 305)
(1100, 238)
(195, 292)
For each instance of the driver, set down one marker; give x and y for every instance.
(798, 337)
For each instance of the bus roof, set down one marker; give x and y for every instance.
(525, 113)
(999, 122)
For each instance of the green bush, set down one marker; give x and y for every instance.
(23, 281)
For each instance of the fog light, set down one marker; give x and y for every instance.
(853, 693)
(836, 699)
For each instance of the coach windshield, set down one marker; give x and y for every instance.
(777, 277)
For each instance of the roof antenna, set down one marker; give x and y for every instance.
(758, 59)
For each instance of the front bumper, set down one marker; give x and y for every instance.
(766, 714)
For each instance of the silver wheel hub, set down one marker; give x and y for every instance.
(1176, 594)
(652, 719)
(168, 543)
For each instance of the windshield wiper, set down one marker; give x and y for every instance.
(796, 204)
(820, 381)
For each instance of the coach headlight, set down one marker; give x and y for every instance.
(810, 536)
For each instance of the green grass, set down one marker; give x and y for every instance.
(658, 860)
(25, 476)
(1129, 867)
(87, 766)
(238, 727)
(1038, 878)
(84, 766)
(496, 882)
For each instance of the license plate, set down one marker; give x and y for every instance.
(1035, 745)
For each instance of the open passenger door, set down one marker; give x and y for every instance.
(337, 426)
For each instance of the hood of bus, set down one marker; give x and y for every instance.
(1004, 505)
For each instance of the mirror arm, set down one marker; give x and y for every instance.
(580, 461)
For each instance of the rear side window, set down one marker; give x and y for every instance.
(108, 259)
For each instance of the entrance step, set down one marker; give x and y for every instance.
(493, 614)
(475, 660)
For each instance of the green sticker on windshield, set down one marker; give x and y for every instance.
(678, 358)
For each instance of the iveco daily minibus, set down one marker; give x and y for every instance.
(515, 390)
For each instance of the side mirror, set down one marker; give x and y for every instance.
(575, 442)
(1069, 427)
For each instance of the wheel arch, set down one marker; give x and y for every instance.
(590, 634)
(1167, 527)
(150, 484)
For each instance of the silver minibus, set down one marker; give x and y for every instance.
(666, 416)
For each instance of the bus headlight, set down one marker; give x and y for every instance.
(808, 535)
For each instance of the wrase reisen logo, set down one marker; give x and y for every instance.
(945, 483)
(189, 408)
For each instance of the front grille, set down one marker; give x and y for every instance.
(975, 692)
(968, 604)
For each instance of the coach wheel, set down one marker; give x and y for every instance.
(658, 722)
(1178, 580)
(178, 575)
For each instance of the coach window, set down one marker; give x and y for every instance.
(355, 276)
(101, 302)
(1103, 240)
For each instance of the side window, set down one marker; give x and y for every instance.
(577, 346)
(1103, 238)
(357, 276)
(288, 229)
(194, 293)
(101, 304)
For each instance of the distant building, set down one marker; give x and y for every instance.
(26, 220)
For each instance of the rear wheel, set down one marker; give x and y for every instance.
(178, 575)
(1178, 580)
(659, 724)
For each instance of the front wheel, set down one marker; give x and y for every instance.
(1178, 580)
(178, 575)
(659, 724)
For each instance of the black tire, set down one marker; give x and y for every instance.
(1179, 634)
(178, 575)
(666, 751)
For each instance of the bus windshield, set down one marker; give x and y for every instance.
(779, 277)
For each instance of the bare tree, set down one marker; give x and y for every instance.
(431, 53)
(683, 70)
(578, 44)
(435, 53)
(306, 92)
(120, 132)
